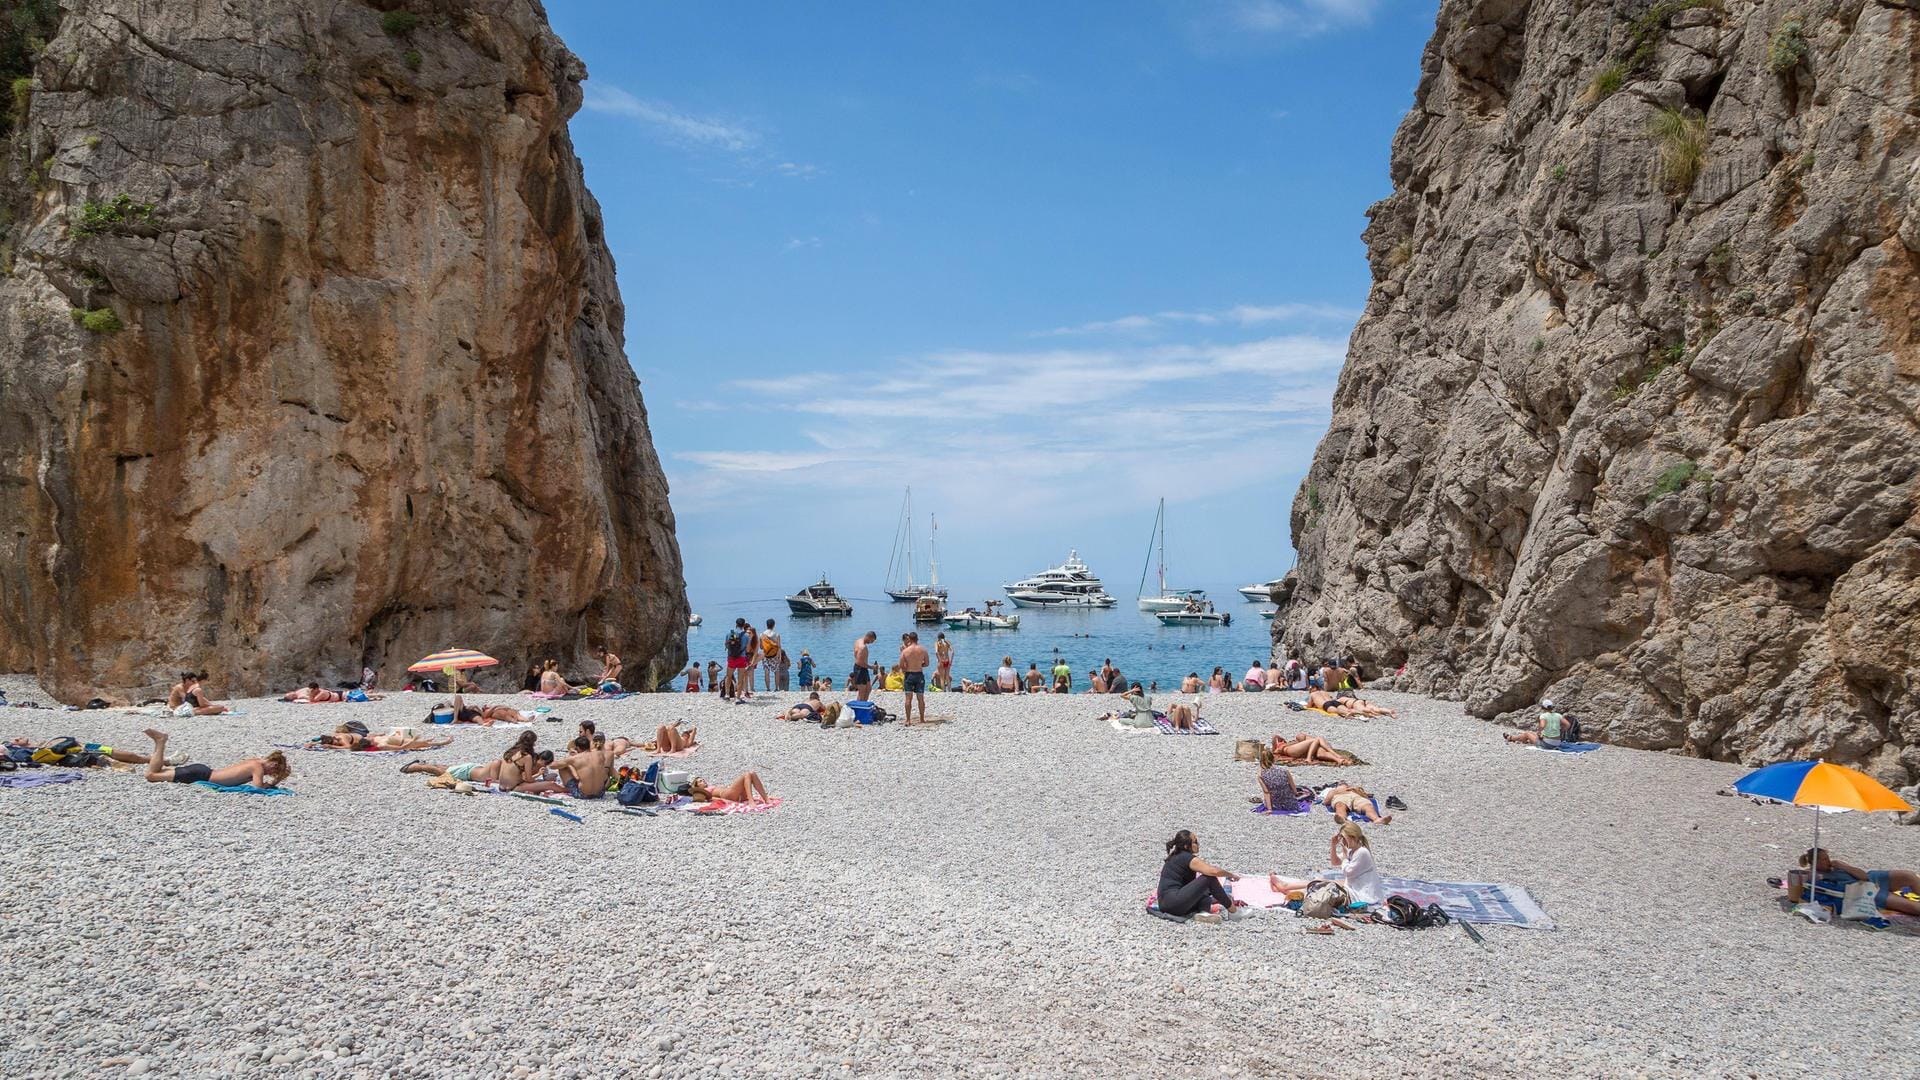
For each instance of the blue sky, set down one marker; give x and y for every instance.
(1045, 262)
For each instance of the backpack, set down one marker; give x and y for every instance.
(1570, 730)
(1324, 899)
(1404, 914)
(736, 644)
(635, 792)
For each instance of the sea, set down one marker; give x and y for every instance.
(1135, 641)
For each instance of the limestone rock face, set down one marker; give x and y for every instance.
(368, 397)
(1632, 418)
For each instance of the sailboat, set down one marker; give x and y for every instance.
(901, 558)
(1167, 599)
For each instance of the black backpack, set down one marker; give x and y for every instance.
(1569, 729)
(1404, 914)
(736, 644)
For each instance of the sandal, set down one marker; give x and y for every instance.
(1323, 929)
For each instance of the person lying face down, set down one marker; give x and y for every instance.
(263, 772)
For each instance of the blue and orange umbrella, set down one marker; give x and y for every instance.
(457, 659)
(1821, 785)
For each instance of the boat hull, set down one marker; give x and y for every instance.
(1033, 601)
(811, 608)
(1191, 618)
(1169, 601)
(909, 595)
(983, 622)
(1258, 594)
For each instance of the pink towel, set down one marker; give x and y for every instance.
(1255, 892)
(724, 806)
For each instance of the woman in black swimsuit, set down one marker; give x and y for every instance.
(1190, 884)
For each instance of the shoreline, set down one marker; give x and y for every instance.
(955, 900)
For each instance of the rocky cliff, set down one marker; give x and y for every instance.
(311, 351)
(1632, 418)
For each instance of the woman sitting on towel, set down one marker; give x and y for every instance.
(745, 788)
(1349, 853)
(1834, 876)
(1547, 730)
(1278, 792)
(1136, 712)
(1351, 800)
(1190, 884)
(1183, 716)
(1308, 750)
(551, 684)
(263, 772)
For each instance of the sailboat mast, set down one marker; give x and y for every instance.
(933, 551)
(908, 518)
(1160, 522)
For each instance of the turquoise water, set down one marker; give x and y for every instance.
(1135, 641)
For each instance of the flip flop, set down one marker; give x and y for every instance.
(403, 768)
(1323, 930)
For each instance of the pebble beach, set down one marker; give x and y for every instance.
(961, 899)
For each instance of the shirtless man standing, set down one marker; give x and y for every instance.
(586, 770)
(913, 667)
(943, 656)
(862, 680)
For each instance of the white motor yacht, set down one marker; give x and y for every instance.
(1262, 592)
(1195, 613)
(819, 599)
(1069, 585)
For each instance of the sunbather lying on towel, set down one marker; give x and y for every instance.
(1181, 715)
(1308, 750)
(812, 710)
(1338, 706)
(489, 715)
(1834, 877)
(263, 772)
(345, 738)
(745, 788)
(1351, 800)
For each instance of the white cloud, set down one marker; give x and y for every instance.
(999, 432)
(1238, 25)
(671, 123)
(798, 170)
(797, 243)
(1242, 315)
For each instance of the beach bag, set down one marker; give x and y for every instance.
(1323, 900)
(356, 694)
(183, 709)
(54, 752)
(635, 792)
(1404, 914)
(357, 727)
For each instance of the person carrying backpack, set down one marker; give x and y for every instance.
(737, 643)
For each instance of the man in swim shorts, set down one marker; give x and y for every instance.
(263, 772)
(862, 678)
(587, 769)
(913, 669)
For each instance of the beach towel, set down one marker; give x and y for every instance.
(1569, 748)
(1200, 727)
(718, 806)
(1125, 728)
(688, 752)
(241, 789)
(351, 753)
(39, 778)
(1470, 901)
(1254, 892)
(1259, 809)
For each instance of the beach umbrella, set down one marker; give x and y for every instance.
(1822, 786)
(458, 659)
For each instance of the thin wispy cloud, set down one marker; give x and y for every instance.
(746, 144)
(1013, 82)
(1237, 25)
(801, 243)
(1240, 315)
(1183, 416)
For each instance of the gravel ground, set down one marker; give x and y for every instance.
(955, 900)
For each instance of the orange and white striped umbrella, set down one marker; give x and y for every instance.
(458, 659)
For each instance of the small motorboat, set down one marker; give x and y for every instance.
(1195, 613)
(693, 620)
(819, 599)
(990, 619)
(1269, 612)
(930, 609)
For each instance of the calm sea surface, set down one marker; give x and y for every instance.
(1137, 643)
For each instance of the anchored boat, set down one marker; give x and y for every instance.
(1196, 613)
(901, 560)
(819, 599)
(1166, 599)
(990, 619)
(1069, 585)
